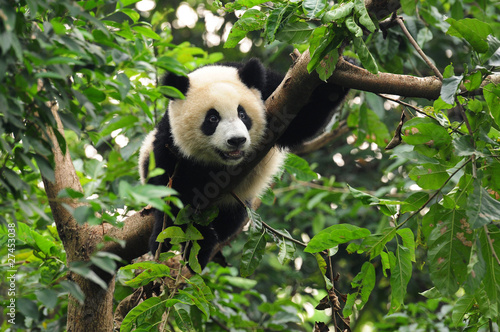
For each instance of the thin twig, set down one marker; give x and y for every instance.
(159, 250)
(433, 196)
(417, 48)
(266, 226)
(418, 110)
(334, 311)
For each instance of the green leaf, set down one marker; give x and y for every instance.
(146, 32)
(287, 248)
(369, 126)
(295, 32)
(47, 297)
(45, 168)
(490, 249)
(414, 202)
(365, 282)
(83, 269)
(335, 235)
(463, 146)
(365, 55)
(472, 30)
(473, 81)
(183, 319)
(449, 89)
(73, 289)
(409, 7)
(325, 70)
(120, 123)
(488, 300)
(251, 20)
(171, 92)
(299, 168)
(152, 271)
(425, 131)
(401, 271)
(134, 15)
(492, 96)
(94, 95)
(386, 264)
(313, 8)
(375, 243)
(193, 257)
(449, 251)
(482, 209)
(239, 4)
(174, 233)
(364, 17)
(339, 12)
(408, 241)
(253, 251)
(146, 310)
(322, 46)
(365, 198)
(273, 22)
(355, 30)
(461, 308)
(147, 194)
(429, 176)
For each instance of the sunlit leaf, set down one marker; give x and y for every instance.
(299, 168)
(425, 131)
(252, 252)
(429, 176)
(313, 8)
(472, 30)
(335, 235)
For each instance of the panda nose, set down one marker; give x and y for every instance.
(236, 141)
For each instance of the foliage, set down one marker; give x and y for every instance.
(413, 230)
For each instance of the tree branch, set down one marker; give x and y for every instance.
(322, 140)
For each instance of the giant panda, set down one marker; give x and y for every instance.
(217, 126)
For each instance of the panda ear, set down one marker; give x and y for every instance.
(253, 74)
(181, 83)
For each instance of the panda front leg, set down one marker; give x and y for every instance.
(314, 116)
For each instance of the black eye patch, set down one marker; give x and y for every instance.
(211, 122)
(242, 114)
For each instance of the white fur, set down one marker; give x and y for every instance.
(260, 178)
(144, 152)
(228, 128)
(217, 87)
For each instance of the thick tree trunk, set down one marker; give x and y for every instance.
(96, 313)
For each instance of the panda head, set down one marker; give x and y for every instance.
(222, 118)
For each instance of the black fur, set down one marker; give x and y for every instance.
(193, 180)
(211, 122)
(247, 121)
(181, 83)
(253, 74)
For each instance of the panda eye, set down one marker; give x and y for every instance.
(213, 119)
(242, 115)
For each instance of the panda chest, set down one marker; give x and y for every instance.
(258, 179)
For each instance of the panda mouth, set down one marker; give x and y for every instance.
(231, 155)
